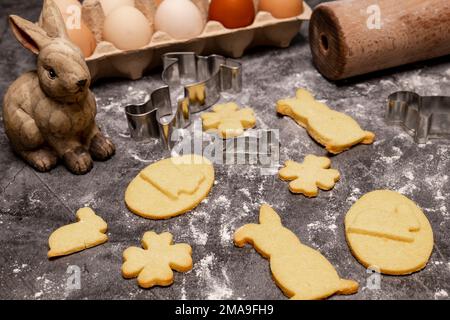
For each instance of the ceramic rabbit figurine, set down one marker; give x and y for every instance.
(300, 271)
(49, 114)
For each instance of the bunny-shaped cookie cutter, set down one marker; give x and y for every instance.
(423, 117)
(203, 78)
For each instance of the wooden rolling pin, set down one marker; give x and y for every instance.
(354, 37)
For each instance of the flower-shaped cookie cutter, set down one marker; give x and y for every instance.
(423, 117)
(204, 78)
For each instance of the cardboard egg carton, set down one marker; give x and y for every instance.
(108, 61)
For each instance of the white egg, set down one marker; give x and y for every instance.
(127, 28)
(181, 19)
(109, 5)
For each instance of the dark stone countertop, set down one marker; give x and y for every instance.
(32, 205)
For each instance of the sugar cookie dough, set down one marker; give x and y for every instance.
(334, 130)
(88, 232)
(388, 232)
(170, 187)
(228, 120)
(307, 177)
(301, 272)
(153, 265)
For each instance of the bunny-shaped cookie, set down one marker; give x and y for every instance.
(49, 114)
(88, 232)
(302, 273)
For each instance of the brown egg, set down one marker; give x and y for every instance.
(83, 38)
(232, 13)
(282, 9)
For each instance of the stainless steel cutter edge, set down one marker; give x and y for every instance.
(209, 76)
(423, 117)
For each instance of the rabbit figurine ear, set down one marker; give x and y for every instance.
(52, 21)
(268, 216)
(30, 35)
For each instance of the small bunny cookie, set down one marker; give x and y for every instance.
(309, 176)
(153, 265)
(88, 232)
(301, 272)
(228, 120)
(334, 130)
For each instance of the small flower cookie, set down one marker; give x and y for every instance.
(88, 232)
(334, 130)
(153, 265)
(301, 272)
(228, 120)
(307, 177)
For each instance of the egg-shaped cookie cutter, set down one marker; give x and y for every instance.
(423, 117)
(204, 78)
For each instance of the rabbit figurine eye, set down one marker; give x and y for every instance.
(51, 74)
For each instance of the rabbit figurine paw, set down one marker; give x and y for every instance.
(49, 114)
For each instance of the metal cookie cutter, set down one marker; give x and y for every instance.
(155, 118)
(422, 117)
(203, 78)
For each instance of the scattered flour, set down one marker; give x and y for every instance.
(134, 154)
(354, 196)
(407, 189)
(441, 294)
(223, 202)
(409, 175)
(197, 225)
(19, 269)
(217, 288)
(112, 106)
(183, 290)
(317, 225)
(392, 159)
(245, 191)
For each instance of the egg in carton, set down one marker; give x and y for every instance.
(109, 61)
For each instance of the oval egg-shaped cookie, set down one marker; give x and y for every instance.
(170, 187)
(389, 233)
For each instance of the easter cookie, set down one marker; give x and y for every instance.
(309, 176)
(228, 120)
(88, 232)
(387, 231)
(153, 265)
(334, 130)
(170, 187)
(301, 272)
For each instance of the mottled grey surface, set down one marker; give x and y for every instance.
(32, 205)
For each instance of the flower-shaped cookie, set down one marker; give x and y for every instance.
(309, 176)
(153, 265)
(228, 120)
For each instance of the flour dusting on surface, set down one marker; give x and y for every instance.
(354, 196)
(441, 294)
(198, 226)
(217, 288)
